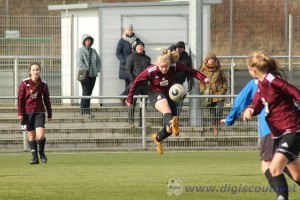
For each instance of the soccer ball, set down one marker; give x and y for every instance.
(177, 92)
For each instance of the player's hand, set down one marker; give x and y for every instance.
(20, 117)
(207, 80)
(128, 104)
(222, 121)
(248, 114)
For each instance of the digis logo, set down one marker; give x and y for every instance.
(175, 187)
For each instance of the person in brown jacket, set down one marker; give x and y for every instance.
(218, 85)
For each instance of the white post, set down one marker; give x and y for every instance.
(24, 133)
(196, 45)
(16, 79)
(144, 123)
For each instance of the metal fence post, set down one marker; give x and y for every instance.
(232, 66)
(24, 133)
(290, 47)
(16, 79)
(144, 123)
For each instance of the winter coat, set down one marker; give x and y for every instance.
(135, 64)
(124, 49)
(218, 83)
(88, 58)
(180, 77)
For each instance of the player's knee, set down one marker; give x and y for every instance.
(169, 130)
(296, 177)
(265, 164)
(275, 171)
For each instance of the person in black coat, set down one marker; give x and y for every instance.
(180, 77)
(137, 62)
(124, 49)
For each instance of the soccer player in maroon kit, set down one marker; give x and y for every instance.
(281, 100)
(161, 77)
(33, 95)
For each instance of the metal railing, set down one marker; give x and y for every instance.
(109, 130)
(234, 67)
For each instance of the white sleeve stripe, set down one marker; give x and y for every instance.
(270, 77)
(151, 69)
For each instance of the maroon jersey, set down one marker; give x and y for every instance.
(279, 98)
(31, 103)
(160, 82)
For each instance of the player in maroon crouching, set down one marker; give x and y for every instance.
(161, 77)
(280, 100)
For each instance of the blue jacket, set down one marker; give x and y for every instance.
(242, 101)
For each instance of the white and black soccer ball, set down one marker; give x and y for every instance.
(177, 92)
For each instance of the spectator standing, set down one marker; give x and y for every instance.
(218, 85)
(88, 58)
(137, 62)
(180, 77)
(124, 49)
(33, 95)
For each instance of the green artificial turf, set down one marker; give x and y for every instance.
(203, 175)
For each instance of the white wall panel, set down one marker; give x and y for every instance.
(157, 26)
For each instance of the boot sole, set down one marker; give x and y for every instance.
(175, 126)
(159, 147)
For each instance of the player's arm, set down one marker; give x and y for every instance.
(21, 100)
(183, 68)
(256, 105)
(286, 88)
(46, 99)
(140, 78)
(241, 102)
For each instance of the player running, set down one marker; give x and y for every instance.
(267, 144)
(280, 100)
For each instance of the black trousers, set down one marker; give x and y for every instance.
(87, 89)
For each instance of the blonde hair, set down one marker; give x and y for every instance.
(174, 55)
(163, 58)
(261, 61)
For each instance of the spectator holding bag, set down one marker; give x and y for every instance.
(87, 58)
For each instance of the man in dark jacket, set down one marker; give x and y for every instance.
(180, 77)
(137, 62)
(124, 49)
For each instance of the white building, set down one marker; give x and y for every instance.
(157, 24)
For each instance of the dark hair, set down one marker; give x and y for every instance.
(139, 42)
(35, 85)
(34, 63)
(180, 44)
